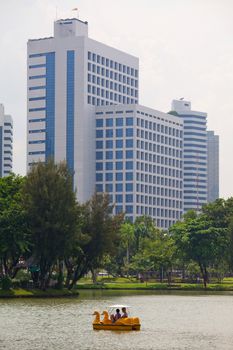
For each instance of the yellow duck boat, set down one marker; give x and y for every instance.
(122, 324)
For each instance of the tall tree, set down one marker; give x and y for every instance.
(52, 213)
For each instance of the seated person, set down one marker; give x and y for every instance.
(116, 317)
(124, 313)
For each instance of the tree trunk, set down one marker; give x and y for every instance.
(94, 275)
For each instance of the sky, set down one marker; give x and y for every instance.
(185, 49)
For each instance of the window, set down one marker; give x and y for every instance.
(99, 123)
(129, 187)
(119, 154)
(109, 133)
(99, 134)
(109, 154)
(119, 177)
(109, 122)
(99, 166)
(109, 176)
(119, 132)
(99, 177)
(119, 165)
(129, 143)
(99, 144)
(119, 122)
(129, 132)
(99, 155)
(109, 144)
(129, 176)
(129, 209)
(129, 198)
(129, 121)
(119, 143)
(119, 198)
(119, 187)
(109, 188)
(129, 165)
(119, 209)
(109, 166)
(129, 154)
(99, 188)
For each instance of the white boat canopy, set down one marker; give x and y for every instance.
(119, 306)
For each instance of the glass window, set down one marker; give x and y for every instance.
(99, 134)
(119, 143)
(99, 144)
(129, 198)
(109, 144)
(109, 154)
(119, 165)
(119, 187)
(129, 121)
(109, 188)
(119, 209)
(119, 132)
(129, 187)
(119, 176)
(99, 166)
(129, 165)
(109, 122)
(129, 132)
(109, 166)
(129, 154)
(109, 176)
(119, 122)
(99, 123)
(129, 209)
(119, 154)
(99, 177)
(129, 176)
(99, 155)
(129, 143)
(119, 198)
(109, 133)
(99, 188)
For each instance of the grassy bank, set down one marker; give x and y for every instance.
(126, 284)
(37, 293)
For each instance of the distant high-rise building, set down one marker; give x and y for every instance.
(83, 108)
(6, 141)
(213, 165)
(68, 75)
(195, 155)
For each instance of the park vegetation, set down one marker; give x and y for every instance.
(49, 239)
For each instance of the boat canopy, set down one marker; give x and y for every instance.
(118, 306)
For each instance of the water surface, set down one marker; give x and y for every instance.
(169, 321)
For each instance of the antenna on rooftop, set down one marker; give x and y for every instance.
(77, 14)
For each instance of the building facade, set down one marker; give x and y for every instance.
(68, 75)
(195, 155)
(139, 161)
(6, 143)
(213, 165)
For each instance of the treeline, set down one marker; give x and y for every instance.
(44, 230)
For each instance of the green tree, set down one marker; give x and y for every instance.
(52, 214)
(14, 235)
(200, 241)
(102, 231)
(143, 227)
(127, 238)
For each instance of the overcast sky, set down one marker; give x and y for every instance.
(185, 49)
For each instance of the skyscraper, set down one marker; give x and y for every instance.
(6, 140)
(68, 75)
(195, 155)
(83, 108)
(213, 165)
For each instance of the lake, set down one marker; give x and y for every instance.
(170, 321)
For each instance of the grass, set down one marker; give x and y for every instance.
(37, 293)
(127, 284)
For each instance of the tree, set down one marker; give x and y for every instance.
(102, 230)
(14, 234)
(52, 214)
(201, 241)
(127, 238)
(144, 226)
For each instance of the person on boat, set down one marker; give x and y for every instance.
(124, 313)
(116, 317)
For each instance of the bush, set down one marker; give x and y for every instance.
(6, 283)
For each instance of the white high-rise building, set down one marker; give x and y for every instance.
(195, 154)
(68, 75)
(6, 142)
(213, 165)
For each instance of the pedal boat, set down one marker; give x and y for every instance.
(123, 324)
